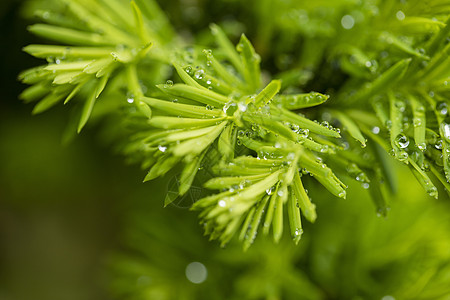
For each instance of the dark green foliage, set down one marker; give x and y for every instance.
(256, 139)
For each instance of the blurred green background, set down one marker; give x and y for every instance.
(77, 223)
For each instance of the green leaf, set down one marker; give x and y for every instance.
(271, 209)
(401, 45)
(299, 101)
(226, 143)
(139, 21)
(68, 36)
(201, 95)
(228, 48)
(398, 138)
(251, 234)
(186, 77)
(386, 80)
(350, 126)
(284, 115)
(223, 71)
(267, 94)
(295, 222)
(162, 166)
(182, 123)
(87, 110)
(219, 183)
(251, 61)
(183, 110)
(423, 179)
(277, 224)
(34, 93)
(419, 122)
(49, 101)
(197, 145)
(189, 172)
(308, 209)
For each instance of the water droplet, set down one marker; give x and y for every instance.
(162, 148)
(365, 185)
(402, 141)
(196, 272)
(442, 108)
(270, 191)
(242, 106)
(229, 108)
(324, 148)
(280, 193)
(400, 105)
(431, 94)
(347, 22)
(422, 146)
(290, 156)
(199, 74)
(303, 133)
(208, 82)
(168, 84)
(432, 191)
(188, 69)
(417, 122)
(445, 130)
(438, 144)
(376, 130)
(388, 124)
(400, 15)
(222, 203)
(130, 100)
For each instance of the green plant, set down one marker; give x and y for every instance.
(255, 137)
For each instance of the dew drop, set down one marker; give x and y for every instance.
(402, 141)
(162, 148)
(376, 130)
(242, 106)
(422, 146)
(417, 122)
(445, 130)
(388, 124)
(442, 108)
(269, 191)
(400, 15)
(222, 203)
(168, 84)
(199, 74)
